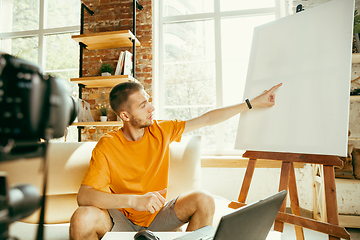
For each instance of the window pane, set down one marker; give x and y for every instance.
(67, 74)
(61, 52)
(189, 41)
(62, 13)
(208, 140)
(236, 57)
(231, 5)
(185, 7)
(190, 84)
(235, 64)
(19, 15)
(189, 66)
(25, 48)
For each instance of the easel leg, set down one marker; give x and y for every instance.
(284, 185)
(247, 180)
(330, 197)
(294, 201)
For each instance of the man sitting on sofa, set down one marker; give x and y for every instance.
(133, 163)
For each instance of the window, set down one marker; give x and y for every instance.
(40, 31)
(203, 49)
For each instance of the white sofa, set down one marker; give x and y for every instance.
(67, 166)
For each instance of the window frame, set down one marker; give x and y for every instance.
(41, 32)
(280, 10)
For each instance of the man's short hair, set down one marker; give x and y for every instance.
(120, 93)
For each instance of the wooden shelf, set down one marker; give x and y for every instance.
(350, 221)
(98, 124)
(102, 81)
(105, 40)
(356, 58)
(355, 98)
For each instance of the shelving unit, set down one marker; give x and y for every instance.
(104, 40)
(355, 98)
(352, 221)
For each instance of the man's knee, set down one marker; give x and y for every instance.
(204, 201)
(84, 215)
(88, 220)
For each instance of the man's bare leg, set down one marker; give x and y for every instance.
(197, 208)
(89, 223)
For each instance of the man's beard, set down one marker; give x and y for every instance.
(138, 123)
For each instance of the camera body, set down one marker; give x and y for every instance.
(33, 106)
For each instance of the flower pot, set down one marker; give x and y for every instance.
(105, 74)
(103, 118)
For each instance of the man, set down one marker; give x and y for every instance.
(133, 163)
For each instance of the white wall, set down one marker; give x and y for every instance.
(226, 182)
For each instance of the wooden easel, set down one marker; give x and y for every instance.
(288, 182)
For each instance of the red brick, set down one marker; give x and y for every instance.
(94, 59)
(147, 69)
(91, 131)
(94, 72)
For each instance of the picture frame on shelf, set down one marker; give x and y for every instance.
(84, 113)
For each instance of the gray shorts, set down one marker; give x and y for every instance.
(165, 220)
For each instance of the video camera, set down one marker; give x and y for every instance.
(33, 106)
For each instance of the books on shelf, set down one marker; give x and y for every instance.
(120, 64)
(127, 63)
(124, 65)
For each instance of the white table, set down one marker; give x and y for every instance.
(273, 235)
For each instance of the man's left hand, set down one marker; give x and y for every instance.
(267, 99)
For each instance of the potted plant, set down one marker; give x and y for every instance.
(103, 109)
(106, 69)
(356, 42)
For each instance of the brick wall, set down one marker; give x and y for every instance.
(113, 15)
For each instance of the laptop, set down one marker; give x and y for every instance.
(251, 222)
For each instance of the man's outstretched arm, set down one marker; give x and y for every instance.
(267, 99)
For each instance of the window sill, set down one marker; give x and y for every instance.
(240, 162)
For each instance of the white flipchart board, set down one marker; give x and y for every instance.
(310, 53)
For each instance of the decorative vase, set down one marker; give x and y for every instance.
(103, 118)
(105, 74)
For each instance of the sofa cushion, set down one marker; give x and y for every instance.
(185, 166)
(58, 209)
(67, 161)
(68, 164)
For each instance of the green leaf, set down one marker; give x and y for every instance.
(357, 29)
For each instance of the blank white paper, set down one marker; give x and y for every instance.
(310, 53)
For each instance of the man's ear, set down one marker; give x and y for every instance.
(124, 116)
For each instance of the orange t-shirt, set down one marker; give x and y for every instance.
(134, 167)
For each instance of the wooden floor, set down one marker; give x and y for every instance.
(289, 234)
